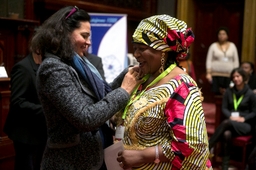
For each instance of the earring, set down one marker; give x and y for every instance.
(161, 69)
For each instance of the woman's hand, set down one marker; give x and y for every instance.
(237, 118)
(131, 80)
(209, 77)
(139, 71)
(130, 158)
(134, 158)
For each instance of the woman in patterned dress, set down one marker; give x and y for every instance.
(164, 119)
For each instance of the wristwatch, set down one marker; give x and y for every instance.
(157, 160)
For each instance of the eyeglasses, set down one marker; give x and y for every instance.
(73, 10)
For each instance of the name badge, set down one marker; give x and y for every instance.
(119, 134)
(235, 114)
(225, 59)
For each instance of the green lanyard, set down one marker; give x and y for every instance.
(236, 103)
(156, 80)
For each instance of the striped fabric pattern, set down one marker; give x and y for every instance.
(164, 33)
(170, 115)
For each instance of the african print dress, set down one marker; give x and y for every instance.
(170, 115)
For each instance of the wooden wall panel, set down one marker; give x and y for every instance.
(15, 35)
(135, 9)
(209, 16)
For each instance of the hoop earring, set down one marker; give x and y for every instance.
(161, 69)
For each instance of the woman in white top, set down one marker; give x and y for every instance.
(222, 58)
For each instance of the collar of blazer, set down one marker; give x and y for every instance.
(84, 88)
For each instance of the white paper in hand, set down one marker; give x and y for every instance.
(110, 155)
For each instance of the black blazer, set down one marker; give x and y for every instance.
(25, 121)
(97, 62)
(252, 81)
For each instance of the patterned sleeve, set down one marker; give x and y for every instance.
(189, 142)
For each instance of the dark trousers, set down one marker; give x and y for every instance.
(28, 157)
(225, 131)
(218, 83)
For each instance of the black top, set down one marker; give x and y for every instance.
(246, 109)
(252, 81)
(25, 121)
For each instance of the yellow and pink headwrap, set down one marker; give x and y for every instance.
(165, 33)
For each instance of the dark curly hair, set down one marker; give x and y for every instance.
(54, 34)
(171, 59)
(250, 63)
(222, 28)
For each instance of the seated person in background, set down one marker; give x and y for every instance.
(248, 67)
(239, 108)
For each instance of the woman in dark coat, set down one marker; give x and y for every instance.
(239, 108)
(76, 100)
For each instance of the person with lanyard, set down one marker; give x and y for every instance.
(239, 108)
(76, 100)
(163, 123)
(222, 57)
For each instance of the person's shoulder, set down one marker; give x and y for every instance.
(229, 90)
(52, 62)
(93, 56)
(25, 59)
(49, 58)
(232, 44)
(183, 78)
(23, 62)
(253, 76)
(251, 95)
(248, 90)
(214, 44)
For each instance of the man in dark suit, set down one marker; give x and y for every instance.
(25, 124)
(95, 60)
